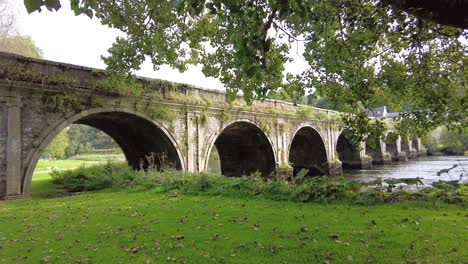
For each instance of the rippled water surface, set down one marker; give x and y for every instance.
(423, 167)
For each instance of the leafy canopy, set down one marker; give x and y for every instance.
(361, 53)
(56, 148)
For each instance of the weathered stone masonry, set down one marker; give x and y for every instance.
(177, 128)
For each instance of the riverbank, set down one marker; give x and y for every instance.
(129, 226)
(425, 168)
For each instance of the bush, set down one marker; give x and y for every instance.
(370, 197)
(318, 189)
(94, 177)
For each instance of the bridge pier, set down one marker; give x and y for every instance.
(377, 150)
(366, 162)
(401, 155)
(10, 186)
(422, 153)
(413, 154)
(421, 150)
(387, 159)
(334, 168)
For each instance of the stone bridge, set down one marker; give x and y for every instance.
(176, 125)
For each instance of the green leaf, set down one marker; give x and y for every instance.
(89, 13)
(33, 5)
(78, 11)
(93, 4)
(54, 4)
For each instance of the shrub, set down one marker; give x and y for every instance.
(370, 197)
(318, 189)
(94, 177)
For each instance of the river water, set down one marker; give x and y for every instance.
(425, 168)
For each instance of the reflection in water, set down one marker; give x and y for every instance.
(424, 167)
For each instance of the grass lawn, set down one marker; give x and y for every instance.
(46, 165)
(131, 226)
(148, 227)
(100, 157)
(41, 185)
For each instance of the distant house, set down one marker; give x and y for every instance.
(381, 111)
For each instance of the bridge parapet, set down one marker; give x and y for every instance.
(74, 78)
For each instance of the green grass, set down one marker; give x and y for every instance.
(46, 165)
(135, 226)
(97, 157)
(41, 185)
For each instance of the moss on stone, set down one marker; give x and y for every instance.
(160, 112)
(266, 125)
(203, 117)
(223, 116)
(61, 103)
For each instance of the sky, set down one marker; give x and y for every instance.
(64, 37)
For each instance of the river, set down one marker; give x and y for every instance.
(425, 168)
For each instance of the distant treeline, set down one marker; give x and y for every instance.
(77, 139)
(447, 141)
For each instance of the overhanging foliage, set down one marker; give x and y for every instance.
(361, 54)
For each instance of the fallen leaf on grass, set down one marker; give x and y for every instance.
(45, 259)
(132, 250)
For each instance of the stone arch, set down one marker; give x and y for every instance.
(243, 149)
(136, 134)
(405, 146)
(391, 145)
(374, 150)
(347, 153)
(307, 150)
(414, 145)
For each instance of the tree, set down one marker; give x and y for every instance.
(22, 45)
(442, 140)
(7, 19)
(56, 148)
(85, 138)
(10, 41)
(360, 52)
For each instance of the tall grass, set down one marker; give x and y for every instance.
(318, 189)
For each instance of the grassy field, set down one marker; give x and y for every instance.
(131, 226)
(41, 186)
(149, 227)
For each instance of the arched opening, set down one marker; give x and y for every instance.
(415, 145)
(391, 145)
(307, 151)
(214, 163)
(405, 146)
(73, 147)
(374, 150)
(138, 138)
(139, 141)
(348, 153)
(244, 149)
